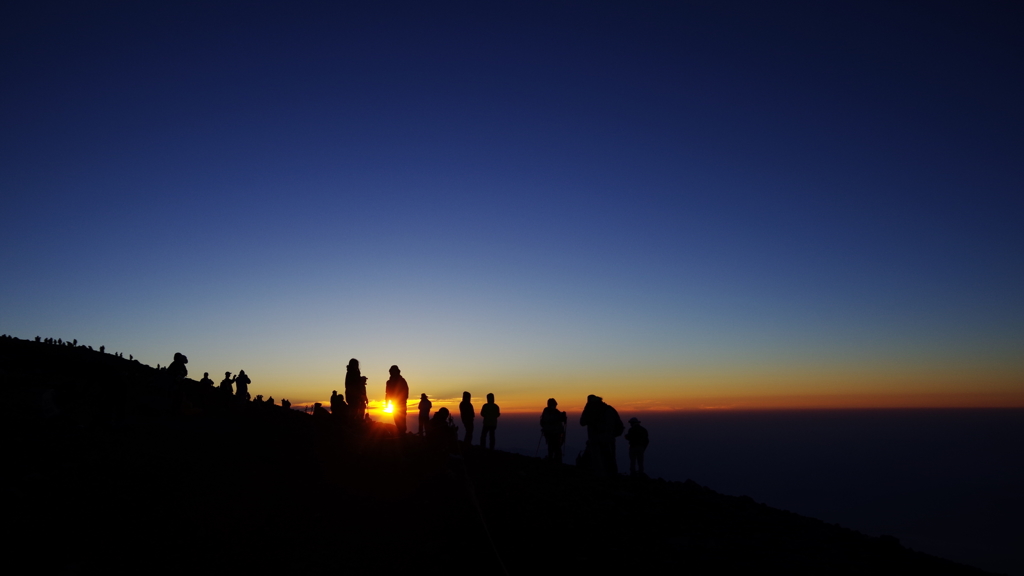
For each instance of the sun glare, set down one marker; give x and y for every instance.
(388, 409)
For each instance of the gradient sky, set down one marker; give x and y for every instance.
(672, 205)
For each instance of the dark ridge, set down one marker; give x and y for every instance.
(118, 468)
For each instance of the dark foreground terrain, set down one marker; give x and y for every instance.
(117, 469)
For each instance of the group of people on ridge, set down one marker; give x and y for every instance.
(601, 420)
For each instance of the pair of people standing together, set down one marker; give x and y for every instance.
(396, 393)
(489, 412)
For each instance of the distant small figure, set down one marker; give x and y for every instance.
(319, 411)
(468, 416)
(396, 391)
(490, 413)
(355, 390)
(286, 404)
(206, 379)
(339, 409)
(102, 348)
(242, 382)
(225, 384)
(130, 357)
(259, 399)
(425, 406)
(638, 441)
(270, 401)
(177, 370)
(552, 426)
(603, 427)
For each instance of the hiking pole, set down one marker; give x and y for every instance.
(537, 451)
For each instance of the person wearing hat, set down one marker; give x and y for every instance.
(638, 441)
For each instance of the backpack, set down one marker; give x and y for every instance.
(615, 423)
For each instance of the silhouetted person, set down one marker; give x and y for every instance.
(206, 379)
(286, 404)
(490, 413)
(425, 406)
(270, 401)
(338, 407)
(225, 384)
(355, 390)
(552, 426)
(397, 392)
(441, 430)
(177, 370)
(603, 427)
(242, 385)
(638, 441)
(468, 417)
(320, 412)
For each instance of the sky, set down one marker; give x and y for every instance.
(703, 205)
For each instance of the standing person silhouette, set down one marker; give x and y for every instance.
(397, 392)
(468, 416)
(355, 390)
(638, 441)
(225, 384)
(552, 426)
(242, 390)
(206, 380)
(425, 406)
(490, 413)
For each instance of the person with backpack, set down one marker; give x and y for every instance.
(603, 427)
(490, 413)
(638, 441)
(552, 426)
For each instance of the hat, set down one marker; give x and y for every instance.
(634, 421)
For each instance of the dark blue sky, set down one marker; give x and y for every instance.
(711, 200)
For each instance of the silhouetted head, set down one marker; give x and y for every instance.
(353, 364)
(442, 413)
(334, 392)
(206, 374)
(423, 396)
(317, 405)
(364, 379)
(552, 403)
(466, 396)
(227, 374)
(394, 371)
(594, 398)
(179, 357)
(490, 398)
(633, 421)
